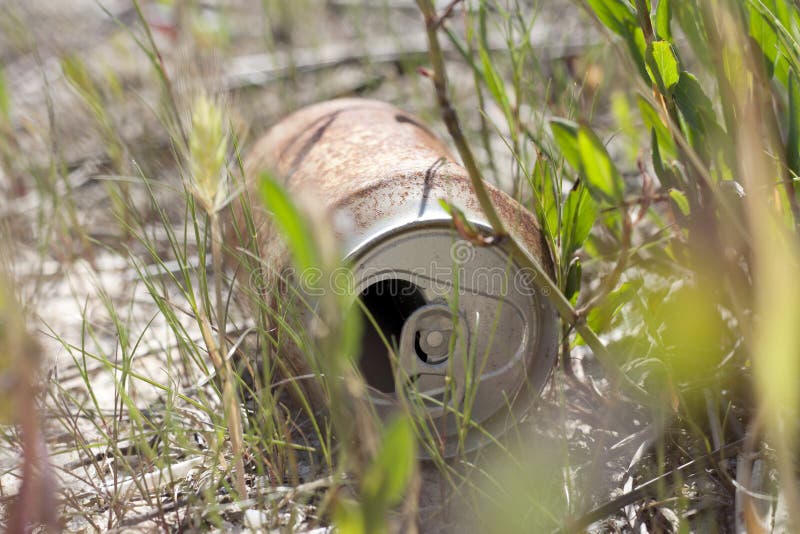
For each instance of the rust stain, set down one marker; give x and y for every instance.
(340, 149)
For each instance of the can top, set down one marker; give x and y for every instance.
(455, 326)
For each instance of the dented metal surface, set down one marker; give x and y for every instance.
(467, 327)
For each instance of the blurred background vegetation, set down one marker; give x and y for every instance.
(657, 142)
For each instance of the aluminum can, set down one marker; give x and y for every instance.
(469, 333)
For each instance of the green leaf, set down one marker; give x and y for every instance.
(290, 223)
(662, 65)
(495, 84)
(600, 172)
(636, 41)
(663, 18)
(547, 208)
(603, 315)
(637, 47)
(692, 101)
(580, 213)
(565, 134)
(349, 518)
(573, 284)
(620, 17)
(585, 152)
(793, 134)
(680, 200)
(616, 15)
(652, 119)
(700, 124)
(764, 31)
(783, 10)
(665, 176)
(386, 479)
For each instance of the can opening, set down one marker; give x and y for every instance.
(390, 302)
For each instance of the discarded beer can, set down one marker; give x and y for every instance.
(468, 331)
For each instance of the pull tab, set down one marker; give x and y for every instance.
(427, 359)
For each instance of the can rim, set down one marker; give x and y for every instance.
(544, 346)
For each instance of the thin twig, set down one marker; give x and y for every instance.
(640, 200)
(230, 406)
(446, 13)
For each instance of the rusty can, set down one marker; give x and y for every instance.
(469, 333)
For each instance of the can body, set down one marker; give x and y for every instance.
(467, 329)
